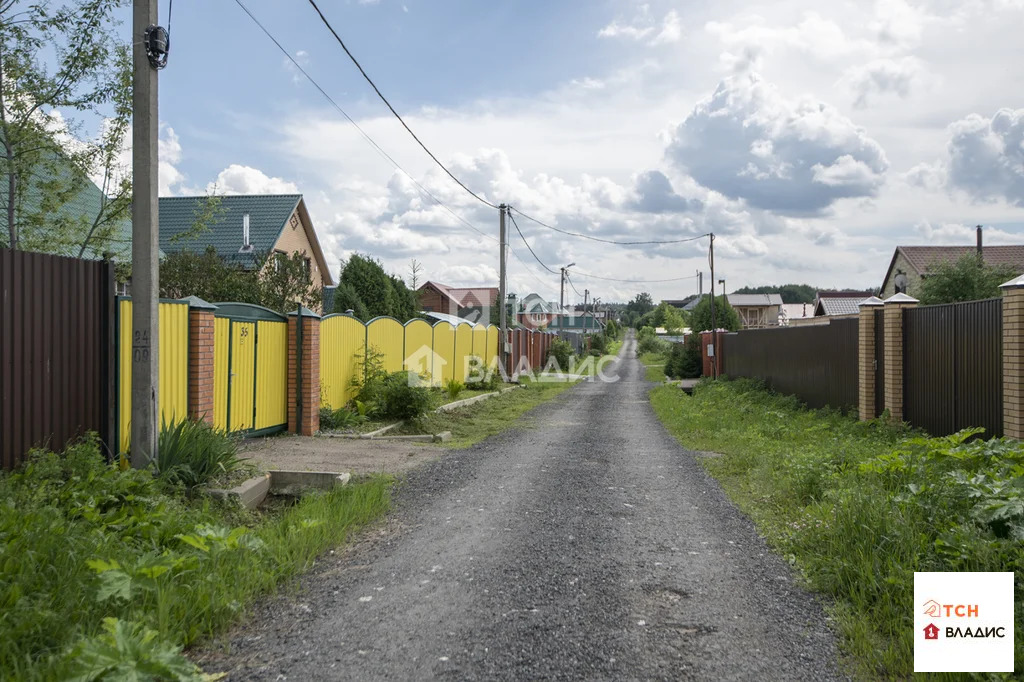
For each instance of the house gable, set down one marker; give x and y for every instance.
(297, 235)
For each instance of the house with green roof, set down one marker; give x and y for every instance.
(241, 228)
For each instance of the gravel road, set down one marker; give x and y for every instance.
(585, 544)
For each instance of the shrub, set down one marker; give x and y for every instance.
(648, 342)
(599, 343)
(691, 363)
(676, 361)
(191, 453)
(453, 387)
(342, 418)
(562, 352)
(402, 397)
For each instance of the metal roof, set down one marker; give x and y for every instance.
(754, 300)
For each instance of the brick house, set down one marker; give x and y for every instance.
(911, 264)
(471, 303)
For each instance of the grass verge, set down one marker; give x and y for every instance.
(857, 507)
(655, 364)
(107, 574)
(473, 423)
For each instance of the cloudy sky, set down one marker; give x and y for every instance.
(811, 138)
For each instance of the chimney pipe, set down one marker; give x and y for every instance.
(981, 256)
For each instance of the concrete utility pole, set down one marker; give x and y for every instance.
(561, 291)
(586, 294)
(502, 314)
(145, 240)
(714, 325)
(700, 284)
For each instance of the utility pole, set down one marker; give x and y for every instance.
(561, 290)
(714, 326)
(586, 294)
(503, 322)
(700, 284)
(149, 46)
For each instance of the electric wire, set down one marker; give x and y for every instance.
(634, 281)
(427, 193)
(607, 241)
(542, 264)
(397, 115)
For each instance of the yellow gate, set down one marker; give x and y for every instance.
(250, 369)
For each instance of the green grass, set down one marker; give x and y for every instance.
(655, 363)
(473, 423)
(857, 507)
(614, 347)
(104, 572)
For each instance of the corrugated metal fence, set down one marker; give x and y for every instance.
(818, 364)
(56, 351)
(953, 369)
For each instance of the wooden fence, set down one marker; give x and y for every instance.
(56, 351)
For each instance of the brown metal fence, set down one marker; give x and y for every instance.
(56, 351)
(953, 373)
(817, 364)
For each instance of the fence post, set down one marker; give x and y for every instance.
(866, 358)
(1013, 358)
(894, 352)
(200, 359)
(303, 372)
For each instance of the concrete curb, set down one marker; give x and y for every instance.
(283, 482)
(250, 494)
(475, 399)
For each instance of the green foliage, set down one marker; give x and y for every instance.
(612, 330)
(129, 651)
(346, 298)
(63, 57)
(562, 352)
(690, 363)
(384, 395)
(966, 279)
(859, 506)
(94, 560)
(726, 316)
(790, 293)
(286, 282)
(648, 342)
(371, 292)
(641, 303)
(598, 343)
(453, 387)
(192, 453)
(339, 419)
(676, 361)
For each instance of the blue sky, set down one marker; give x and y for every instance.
(812, 139)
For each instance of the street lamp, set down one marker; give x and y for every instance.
(561, 291)
(722, 282)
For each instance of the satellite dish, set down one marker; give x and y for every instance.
(900, 282)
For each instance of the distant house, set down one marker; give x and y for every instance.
(535, 312)
(757, 311)
(687, 304)
(839, 303)
(791, 313)
(471, 303)
(911, 264)
(245, 228)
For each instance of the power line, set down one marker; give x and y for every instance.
(400, 119)
(380, 150)
(606, 241)
(542, 264)
(634, 281)
(571, 284)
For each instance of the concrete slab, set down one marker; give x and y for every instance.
(249, 494)
(296, 482)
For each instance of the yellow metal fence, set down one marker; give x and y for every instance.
(439, 352)
(173, 361)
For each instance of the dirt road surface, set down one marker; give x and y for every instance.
(586, 545)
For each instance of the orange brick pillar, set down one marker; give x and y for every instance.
(200, 359)
(866, 358)
(894, 352)
(711, 366)
(1013, 358)
(303, 372)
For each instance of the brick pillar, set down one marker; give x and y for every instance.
(709, 364)
(1013, 358)
(304, 376)
(894, 307)
(866, 358)
(200, 359)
